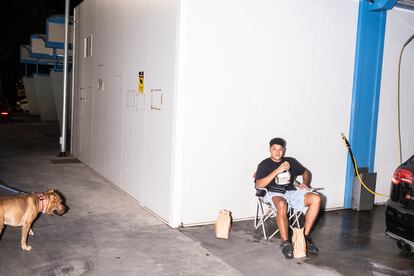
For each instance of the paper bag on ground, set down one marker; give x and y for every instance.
(223, 224)
(299, 243)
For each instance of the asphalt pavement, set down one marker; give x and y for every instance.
(106, 232)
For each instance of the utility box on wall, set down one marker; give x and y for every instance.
(361, 198)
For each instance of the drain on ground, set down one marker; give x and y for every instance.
(72, 267)
(64, 161)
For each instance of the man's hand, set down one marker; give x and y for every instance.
(263, 182)
(303, 186)
(285, 166)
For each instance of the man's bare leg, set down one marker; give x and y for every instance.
(281, 217)
(313, 202)
(282, 223)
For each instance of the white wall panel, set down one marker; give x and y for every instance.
(275, 69)
(132, 119)
(57, 85)
(113, 78)
(150, 44)
(76, 97)
(30, 88)
(400, 26)
(128, 139)
(45, 98)
(84, 81)
(75, 147)
(102, 57)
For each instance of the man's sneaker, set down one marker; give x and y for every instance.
(311, 248)
(287, 249)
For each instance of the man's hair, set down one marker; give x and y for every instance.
(278, 141)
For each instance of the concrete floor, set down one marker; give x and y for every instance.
(105, 232)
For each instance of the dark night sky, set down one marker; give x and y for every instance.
(18, 20)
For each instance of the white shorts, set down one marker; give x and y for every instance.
(294, 198)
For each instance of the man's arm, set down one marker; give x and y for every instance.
(307, 178)
(263, 182)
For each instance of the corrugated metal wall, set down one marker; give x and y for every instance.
(117, 132)
(400, 26)
(83, 84)
(45, 98)
(57, 83)
(232, 74)
(149, 47)
(30, 88)
(258, 70)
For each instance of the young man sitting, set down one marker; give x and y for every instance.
(277, 174)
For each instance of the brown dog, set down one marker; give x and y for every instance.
(22, 210)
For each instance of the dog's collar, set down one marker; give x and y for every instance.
(42, 202)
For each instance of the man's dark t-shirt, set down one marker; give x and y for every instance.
(268, 165)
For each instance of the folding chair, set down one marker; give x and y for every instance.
(265, 211)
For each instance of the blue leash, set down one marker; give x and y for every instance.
(11, 189)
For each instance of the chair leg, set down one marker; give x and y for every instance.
(270, 213)
(271, 236)
(293, 219)
(259, 221)
(295, 215)
(256, 217)
(261, 218)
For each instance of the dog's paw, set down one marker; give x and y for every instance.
(31, 233)
(26, 247)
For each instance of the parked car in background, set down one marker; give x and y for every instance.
(5, 110)
(399, 213)
(22, 105)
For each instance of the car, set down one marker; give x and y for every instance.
(5, 110)
(399, 211)
(22, 105)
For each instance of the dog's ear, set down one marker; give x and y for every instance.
(50, 191)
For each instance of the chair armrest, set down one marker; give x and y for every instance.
(310, 189)
(261, 192)
(315, 189)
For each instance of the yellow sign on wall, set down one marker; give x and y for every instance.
(141, 82)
